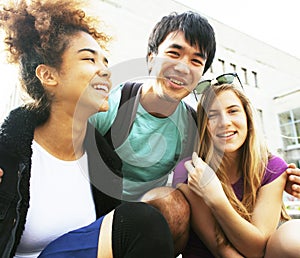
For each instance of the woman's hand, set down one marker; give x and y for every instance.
(229, 252)
(203, 181)
(292, 186)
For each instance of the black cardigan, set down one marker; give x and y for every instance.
(16, 136)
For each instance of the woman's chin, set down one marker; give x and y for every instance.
(103, 107)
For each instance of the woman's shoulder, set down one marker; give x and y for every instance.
(180, 173)
(276, 163)
(275, 167)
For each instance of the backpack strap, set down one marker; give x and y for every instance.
(192, 111)
(119, 130)
(193, 138)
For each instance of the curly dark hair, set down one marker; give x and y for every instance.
(39, 33)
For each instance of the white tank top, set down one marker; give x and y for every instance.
(60, 200)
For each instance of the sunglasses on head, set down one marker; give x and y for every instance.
(222, 79)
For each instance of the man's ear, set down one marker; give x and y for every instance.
(150, 61)
(46, 75)
(150, 57)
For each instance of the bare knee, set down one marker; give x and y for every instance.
(175, 208)
(285, 241)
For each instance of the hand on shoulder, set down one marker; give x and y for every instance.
(292, 186)
(1, 174)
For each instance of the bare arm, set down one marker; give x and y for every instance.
(249, 239)
(203, 224)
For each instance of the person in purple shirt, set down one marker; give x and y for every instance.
(233, 184)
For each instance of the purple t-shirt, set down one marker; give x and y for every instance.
(195, 247)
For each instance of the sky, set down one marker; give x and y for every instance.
(273, 22)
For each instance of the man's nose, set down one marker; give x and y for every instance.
(182, 67)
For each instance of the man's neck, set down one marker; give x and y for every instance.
(156, 105)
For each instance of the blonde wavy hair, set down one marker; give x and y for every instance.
(254, 153)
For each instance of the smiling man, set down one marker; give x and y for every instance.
(181, 48)
(162, 131)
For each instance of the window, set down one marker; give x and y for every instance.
(233, 67)
(254, 74)
(245, 76)
(222, 64)
(290, 127)
(260, 119)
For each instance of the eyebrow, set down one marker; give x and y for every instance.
(93, 52)
(229, 107)
(234, 106)
(87, 49)
(181, 47)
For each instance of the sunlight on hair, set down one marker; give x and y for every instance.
(9, 75)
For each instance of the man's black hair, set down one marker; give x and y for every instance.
(197, 31)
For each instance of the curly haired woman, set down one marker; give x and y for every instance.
(53, 174)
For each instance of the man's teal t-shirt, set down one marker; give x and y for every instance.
(152, 148)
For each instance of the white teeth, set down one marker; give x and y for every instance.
(227, 134)
(100, 87)
(176, 81)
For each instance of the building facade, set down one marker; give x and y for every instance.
(270, 77)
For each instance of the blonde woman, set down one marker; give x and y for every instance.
(234, 184)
